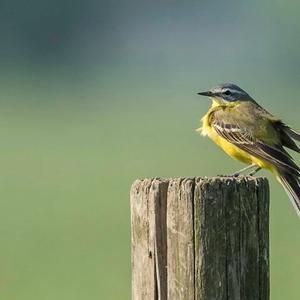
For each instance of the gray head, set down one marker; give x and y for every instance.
(227, 92)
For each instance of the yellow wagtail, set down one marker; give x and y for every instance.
(247, 132)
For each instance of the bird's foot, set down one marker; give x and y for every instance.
(254, 171)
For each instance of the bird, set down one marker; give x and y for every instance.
(249, 133)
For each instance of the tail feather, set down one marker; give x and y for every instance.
(291, 185)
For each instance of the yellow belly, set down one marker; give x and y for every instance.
(233, 150)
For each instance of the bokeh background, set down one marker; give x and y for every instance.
(94, 94)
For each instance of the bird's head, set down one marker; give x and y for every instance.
(227, 93)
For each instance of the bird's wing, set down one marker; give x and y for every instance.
(244, 137)
(287, 135)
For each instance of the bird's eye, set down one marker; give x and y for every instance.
(227, 92)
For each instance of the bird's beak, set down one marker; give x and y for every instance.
(208, 93)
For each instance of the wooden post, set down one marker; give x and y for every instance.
(200, 238)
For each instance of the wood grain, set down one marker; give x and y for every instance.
(200, 238)
(180, 239)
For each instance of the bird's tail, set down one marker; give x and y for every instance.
(291, 185)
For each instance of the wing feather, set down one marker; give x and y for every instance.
(245, 140)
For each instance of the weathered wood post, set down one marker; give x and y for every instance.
(200, 238)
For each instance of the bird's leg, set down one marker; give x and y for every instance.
(245, 169)
(254, 171)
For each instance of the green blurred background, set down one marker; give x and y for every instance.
(95, 94)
